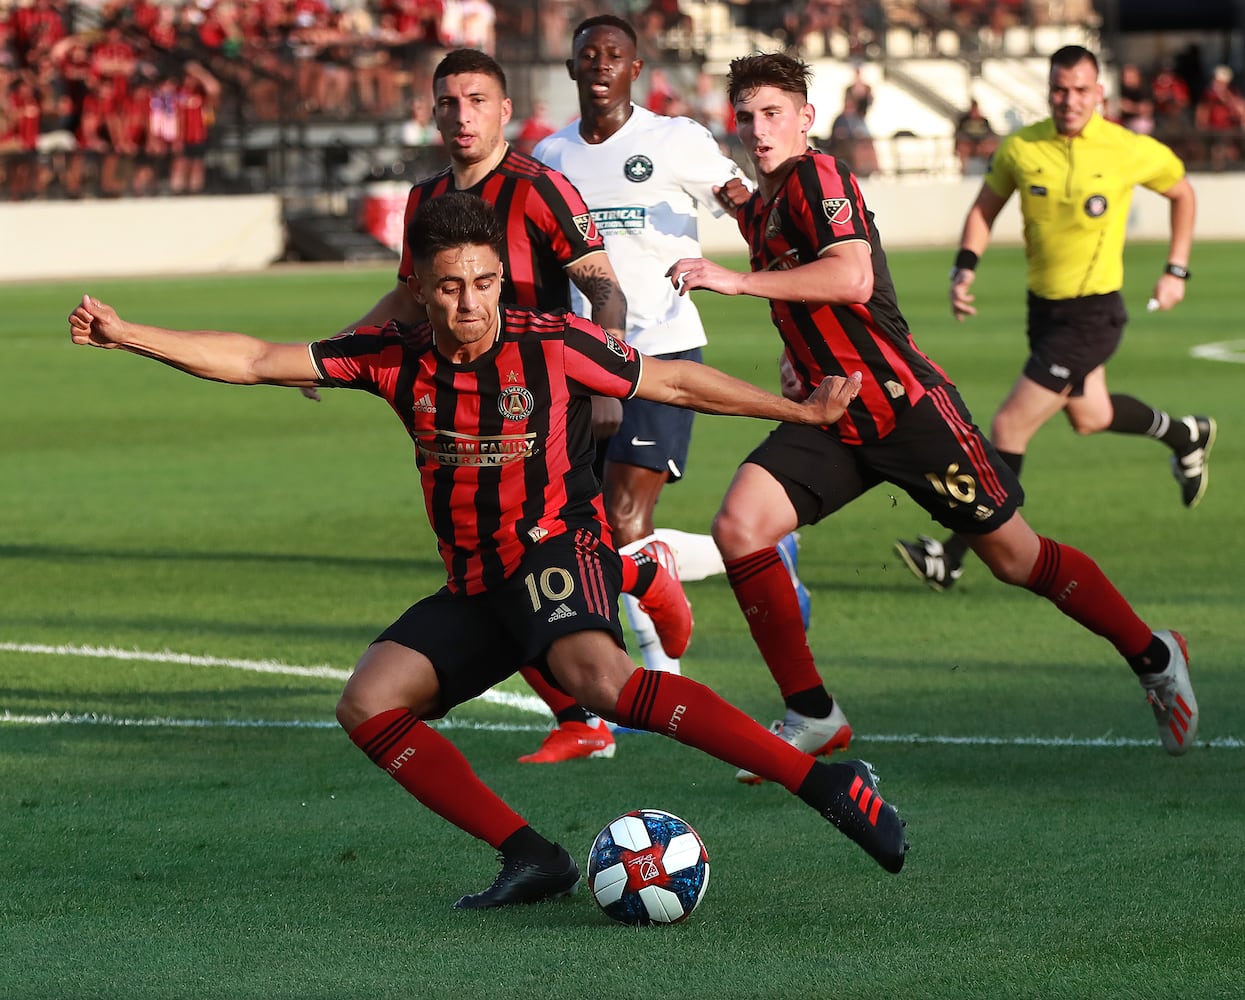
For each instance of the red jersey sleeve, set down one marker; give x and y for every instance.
(825, 203)
(369, 358)
(554, 206)
(598, 364)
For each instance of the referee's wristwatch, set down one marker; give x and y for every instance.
(1176, 271)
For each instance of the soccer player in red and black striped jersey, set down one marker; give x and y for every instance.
(817, 257)
(550, 238)
(496, 400)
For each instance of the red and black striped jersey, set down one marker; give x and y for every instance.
(547, 227)
(818, 206)
(503, 444)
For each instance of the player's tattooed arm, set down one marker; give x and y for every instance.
(594, 276)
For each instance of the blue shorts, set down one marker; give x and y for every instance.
(655, 435)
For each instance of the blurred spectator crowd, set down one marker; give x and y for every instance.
(120, 98)
(112, 98)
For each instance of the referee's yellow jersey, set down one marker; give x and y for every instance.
(1074, 198)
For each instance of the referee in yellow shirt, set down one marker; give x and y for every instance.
(1075, 173)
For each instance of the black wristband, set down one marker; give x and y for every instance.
(966, 260)
(1176, 271)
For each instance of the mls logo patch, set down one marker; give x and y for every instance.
(615, 346)
(516, 403)
(1095, 205)
(587, 228)
(638, 168)
(838, 210)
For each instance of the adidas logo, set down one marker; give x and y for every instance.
(424, 404)
(560, 612)
(867, 800)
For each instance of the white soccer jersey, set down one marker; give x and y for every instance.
(643, 186)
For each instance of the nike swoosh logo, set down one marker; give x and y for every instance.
(637, 443)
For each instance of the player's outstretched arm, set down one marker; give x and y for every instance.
(207, 354)
(842, 274)
(700, 387)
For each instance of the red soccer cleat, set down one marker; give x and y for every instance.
(665, 602)
(572, 740)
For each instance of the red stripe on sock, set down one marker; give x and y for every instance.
(1073, 582)
(696, 716)
(432, 769)
(763, 590)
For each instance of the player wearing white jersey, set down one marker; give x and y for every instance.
(644, 185)
(644, 177)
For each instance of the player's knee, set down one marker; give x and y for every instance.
(597, 686)
(736, 535)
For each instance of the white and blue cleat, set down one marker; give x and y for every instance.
(789, 552)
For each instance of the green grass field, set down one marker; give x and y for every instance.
(182, 827)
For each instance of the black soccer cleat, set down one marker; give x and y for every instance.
(523, 881)
(929, 562)
(1191, 464)
(847, 795)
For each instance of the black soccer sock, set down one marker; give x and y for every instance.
(576, 713)
(1132, 416)
(816, 703)
(1153, 659)
(526, 843)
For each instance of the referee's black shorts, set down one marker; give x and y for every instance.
(1069, 338)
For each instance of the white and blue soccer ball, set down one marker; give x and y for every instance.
(648, 867)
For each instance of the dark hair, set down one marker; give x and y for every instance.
(470, 61)
(768, 69)
(455, 219)
(1072, 55)
(605, 21)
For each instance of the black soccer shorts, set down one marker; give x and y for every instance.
(935, 454)
(1069, 338)
(569, 583)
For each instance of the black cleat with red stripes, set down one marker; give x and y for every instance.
(847, 795)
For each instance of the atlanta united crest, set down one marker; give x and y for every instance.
(516, 403)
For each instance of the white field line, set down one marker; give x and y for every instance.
(1225, 350)
(525, 702)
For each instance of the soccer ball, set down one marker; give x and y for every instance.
(648, 867)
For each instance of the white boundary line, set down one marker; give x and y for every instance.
(527, 703)
(911, 739)
(1225, 350)
(524, 702)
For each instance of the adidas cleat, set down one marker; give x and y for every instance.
(1170, 694)
(846, 794)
